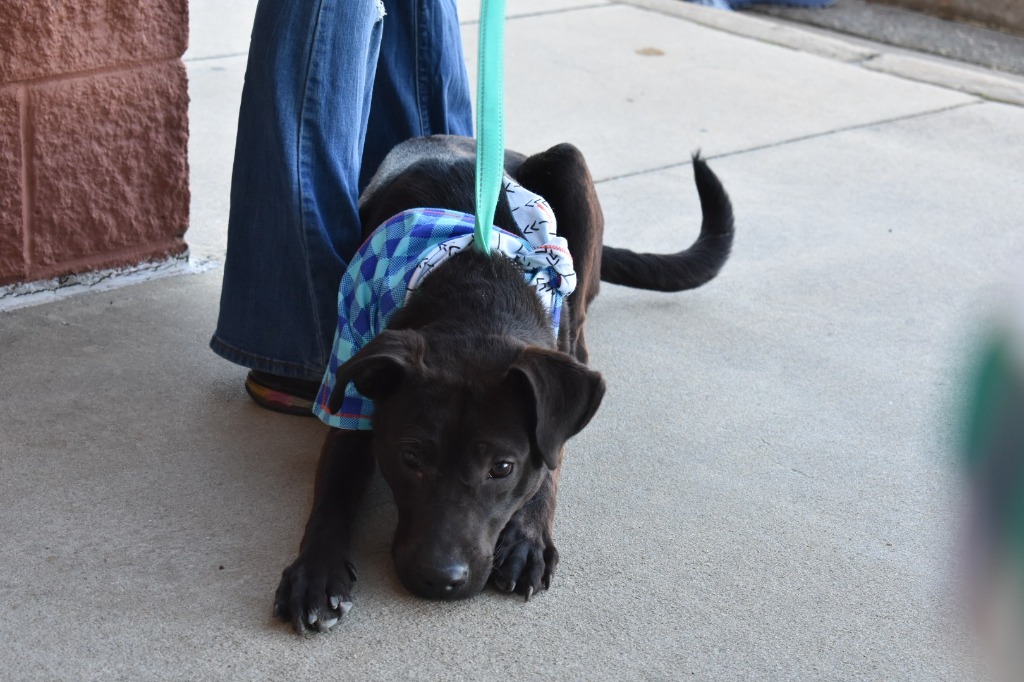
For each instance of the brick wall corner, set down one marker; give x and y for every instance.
(94, 128)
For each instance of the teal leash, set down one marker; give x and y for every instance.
(490, 119)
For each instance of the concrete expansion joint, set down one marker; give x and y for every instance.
(789, 141)
(518, 16)
(214, 57)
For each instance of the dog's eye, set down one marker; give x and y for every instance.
(500, 470)
(411, 460)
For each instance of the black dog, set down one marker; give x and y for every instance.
(474, 395)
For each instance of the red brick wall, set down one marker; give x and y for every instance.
(93, 135)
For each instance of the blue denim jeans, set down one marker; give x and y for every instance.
(330, 87)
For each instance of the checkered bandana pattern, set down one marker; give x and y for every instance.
(403, 251)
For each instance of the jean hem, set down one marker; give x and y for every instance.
(261, 363)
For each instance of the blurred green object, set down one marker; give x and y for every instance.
(993, 450)
(994, 444)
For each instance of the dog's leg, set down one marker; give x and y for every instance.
(525, 556)
(316, 590)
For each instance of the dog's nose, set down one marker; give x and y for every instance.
(444, 581)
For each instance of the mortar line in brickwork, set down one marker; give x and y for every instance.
(27, 180)
(100, 71)
(129, 256)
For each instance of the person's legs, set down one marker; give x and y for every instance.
(421, 86)
(306, 115)
(294, 216)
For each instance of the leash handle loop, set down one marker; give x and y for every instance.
(490, 118)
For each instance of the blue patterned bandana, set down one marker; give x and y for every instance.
(403, 251)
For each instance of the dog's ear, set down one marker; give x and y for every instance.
(565, 395)
(379, 367)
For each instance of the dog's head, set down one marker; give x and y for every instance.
(464, 434)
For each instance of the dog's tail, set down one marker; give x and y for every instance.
(687, 269)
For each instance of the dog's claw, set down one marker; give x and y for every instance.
(313, 596)
(350, 567)
(525, 556)
(502, 584)
(550, 564)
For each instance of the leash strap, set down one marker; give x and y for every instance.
(490, 119)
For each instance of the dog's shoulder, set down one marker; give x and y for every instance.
(428, 172)
(435, 153)
(434, 172)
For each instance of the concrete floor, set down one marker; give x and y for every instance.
(770, 489)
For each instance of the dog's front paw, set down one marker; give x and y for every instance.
(314, 593)
(525, 556)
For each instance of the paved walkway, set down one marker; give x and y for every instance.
(769, 491)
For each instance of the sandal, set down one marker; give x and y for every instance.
(282, 394)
